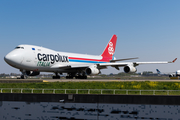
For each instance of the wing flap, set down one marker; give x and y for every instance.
(114, 64)
(123, 59)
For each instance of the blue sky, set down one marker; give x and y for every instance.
(148, 29)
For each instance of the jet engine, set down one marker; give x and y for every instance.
(92, 70)
(32, 73)
(178, 73)
(172, 75)
(128, 69)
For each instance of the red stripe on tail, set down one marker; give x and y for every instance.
(110, 48)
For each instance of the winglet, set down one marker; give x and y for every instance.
(174, 60)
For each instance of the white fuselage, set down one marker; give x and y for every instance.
(35, 58)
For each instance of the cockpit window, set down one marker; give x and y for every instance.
(19, 48)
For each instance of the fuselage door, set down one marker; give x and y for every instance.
(30, 57)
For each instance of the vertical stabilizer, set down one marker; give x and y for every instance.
(158, 71)
(110, 48)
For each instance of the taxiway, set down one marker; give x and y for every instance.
(76, 80)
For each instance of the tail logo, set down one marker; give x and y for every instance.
(111, 49)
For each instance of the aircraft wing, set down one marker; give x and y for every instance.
(112, 64)
(119, 64)
(165, 62)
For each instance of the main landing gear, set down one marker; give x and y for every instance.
(56, 76)
(81, 77)
(77, 76)
(71, 76)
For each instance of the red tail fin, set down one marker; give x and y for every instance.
(110, 48)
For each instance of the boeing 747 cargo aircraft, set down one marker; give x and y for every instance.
(31, 60)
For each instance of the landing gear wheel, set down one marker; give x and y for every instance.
(56, 77)
(85, 77)
(69, 77)
(81, 77)
(22, 77)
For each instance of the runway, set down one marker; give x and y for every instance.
(77, 80)
(105, 80)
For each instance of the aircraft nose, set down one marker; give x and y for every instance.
(8, 58)
(12, 58)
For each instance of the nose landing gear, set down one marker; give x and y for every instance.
(22, 77)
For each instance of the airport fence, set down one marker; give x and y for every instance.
(90, 91)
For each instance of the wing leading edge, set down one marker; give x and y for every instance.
(112, 64)
(119, 64)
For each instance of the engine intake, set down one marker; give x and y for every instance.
(128, 69)
(92, 70)
(32, 73)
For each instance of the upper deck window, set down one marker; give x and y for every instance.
(19, 47)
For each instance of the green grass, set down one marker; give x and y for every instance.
(148, 85)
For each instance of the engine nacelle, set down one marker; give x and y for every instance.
(92, 70)
(178, 73)
(128, 69)
(172, 75)
(32, 73)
